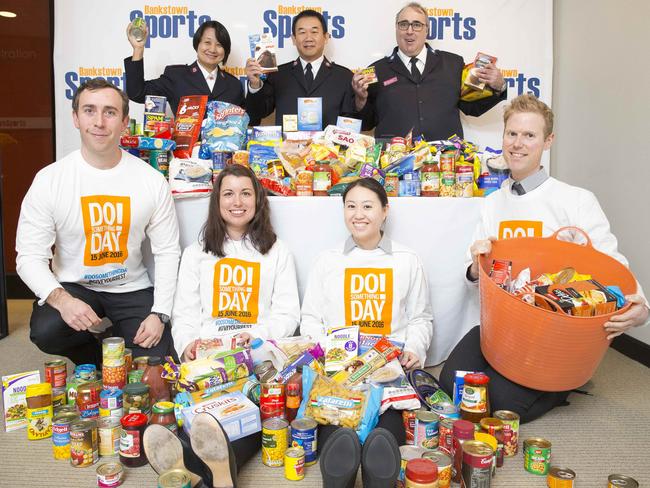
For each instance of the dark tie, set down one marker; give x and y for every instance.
(309, 75)
(517, 188)
(415, 72)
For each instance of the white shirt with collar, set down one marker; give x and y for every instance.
(210, 76)
(421, 62)
(315, 66)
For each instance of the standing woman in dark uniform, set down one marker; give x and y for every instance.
(203, 77)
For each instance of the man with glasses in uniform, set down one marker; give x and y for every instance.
(419, 87)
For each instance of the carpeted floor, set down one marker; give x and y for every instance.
(595, 436)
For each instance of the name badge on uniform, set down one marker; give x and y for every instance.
(390, 81)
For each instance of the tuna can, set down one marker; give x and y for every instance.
(304, 434)
(109, 431)
(175, 478)
(426, 429)
(446, 410)
(407, 452)
(61, 434)
(446, 434)
(443, 461)
(274, 441)
(510, 423)
(109, 475)
(560, 477)
(537, 456)
(294, 463)
(83, 443)
(476, 469)
(56, 372)
(620, 480)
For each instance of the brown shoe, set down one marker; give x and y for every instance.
(164, 451)
(210, 443)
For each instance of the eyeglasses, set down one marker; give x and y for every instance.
(405, 24)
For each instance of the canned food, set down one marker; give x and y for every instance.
(272, 400)
(109, 475)
(71, 389)
(110, 400)
(59, 397)
(114, 377)
(113, 351)
(510, 423)
(135, 376)
(408, 417)
(88, 399)
(274, 441)
(61, 434)
(116, 413)
(175, 478)
(240, 157)
(128, 359)
(56, 372)
(443, 461)
(304, 434)
(476, 469)
(446, 434)
(109, 432)
(447, 160)
(294, 463)
(304, 183)
(252, 389)
(275, 169)
(426, 429)
(560, 477)
(86, 372)
(446, 410)
(537, 456)
(407, 453)
(83, 443)
(619, 480)
(391, 185)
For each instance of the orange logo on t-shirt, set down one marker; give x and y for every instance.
(107, 220)
(368, 297)
(520, 228)
(236, 290)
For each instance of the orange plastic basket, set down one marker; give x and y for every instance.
(538, 348)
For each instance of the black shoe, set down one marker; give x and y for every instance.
(340, 459)
(165, 451)
(380, 460)
(210, 443)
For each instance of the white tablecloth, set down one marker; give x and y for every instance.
(438, 229)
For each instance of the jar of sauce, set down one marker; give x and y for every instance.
(322, 179)
(421, 473)
(132, 452)
(158, 387)
(162, 413)
(140, 362)
(475, 403)
(430, 180)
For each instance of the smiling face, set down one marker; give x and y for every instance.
(100, 121)
(364, 216)
(409, 41)
(310, 39)
(236, 204)
(210, 52)
(524, 143)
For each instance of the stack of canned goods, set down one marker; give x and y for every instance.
(294, 448)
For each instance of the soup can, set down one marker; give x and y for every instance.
(274, 441)
(109, 475)
(83, 443)
(426, 429)
(175, 478)
(408, 418)
(560, 477)
(476, 470)
(272, 400)
(537, 456)
(56, 372)
(304, 434)
(294, 463)
(446, 434)
(109, 431)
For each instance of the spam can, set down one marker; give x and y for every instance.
(294, 463)
(537, 456)
(304, 434)
(620, 480)
(560, 477)
(175, 478)
(274, 441)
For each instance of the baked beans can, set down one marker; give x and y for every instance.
(304, 183)
(446, 434)
(114, 377)
(110, 400)
(83, 443)
(407, 452)
(426, 429)
(294, 463)
(510, 424)
(109, 431)
(537, 456)
(408, 417)
(443, 461)
(56, 372)
(240, 157)
(61, 434)
(59, 397)
(446, 410)
(275, 432)
(159, 160)
(560, 477)
(175, 478)
(620, 480)
(113, 351)
(109, 475)
(304, 434)
(476, 470)
(272, 401)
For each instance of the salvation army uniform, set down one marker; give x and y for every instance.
(382, 290)
(181, 80)
(281, 90)
(97, 220)
(397, 103)
(245, 291)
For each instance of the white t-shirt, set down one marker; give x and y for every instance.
(244, 291)
(97, 220)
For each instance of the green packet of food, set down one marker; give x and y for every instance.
(438, 397)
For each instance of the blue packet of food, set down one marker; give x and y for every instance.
(618, 293)
(260, 153)
(224, 128)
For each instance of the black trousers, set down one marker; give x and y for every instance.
(504, 394)
(391, 420)
(125, 310)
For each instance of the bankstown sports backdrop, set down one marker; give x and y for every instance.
(90, 41)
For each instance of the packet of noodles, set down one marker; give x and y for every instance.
(359, 368)
(187, 127)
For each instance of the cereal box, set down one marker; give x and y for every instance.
(13, 395)
(341, 344)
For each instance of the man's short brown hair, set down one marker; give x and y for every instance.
(529, 103)
(98, 84)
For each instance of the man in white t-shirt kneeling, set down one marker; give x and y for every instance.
(96, 206)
